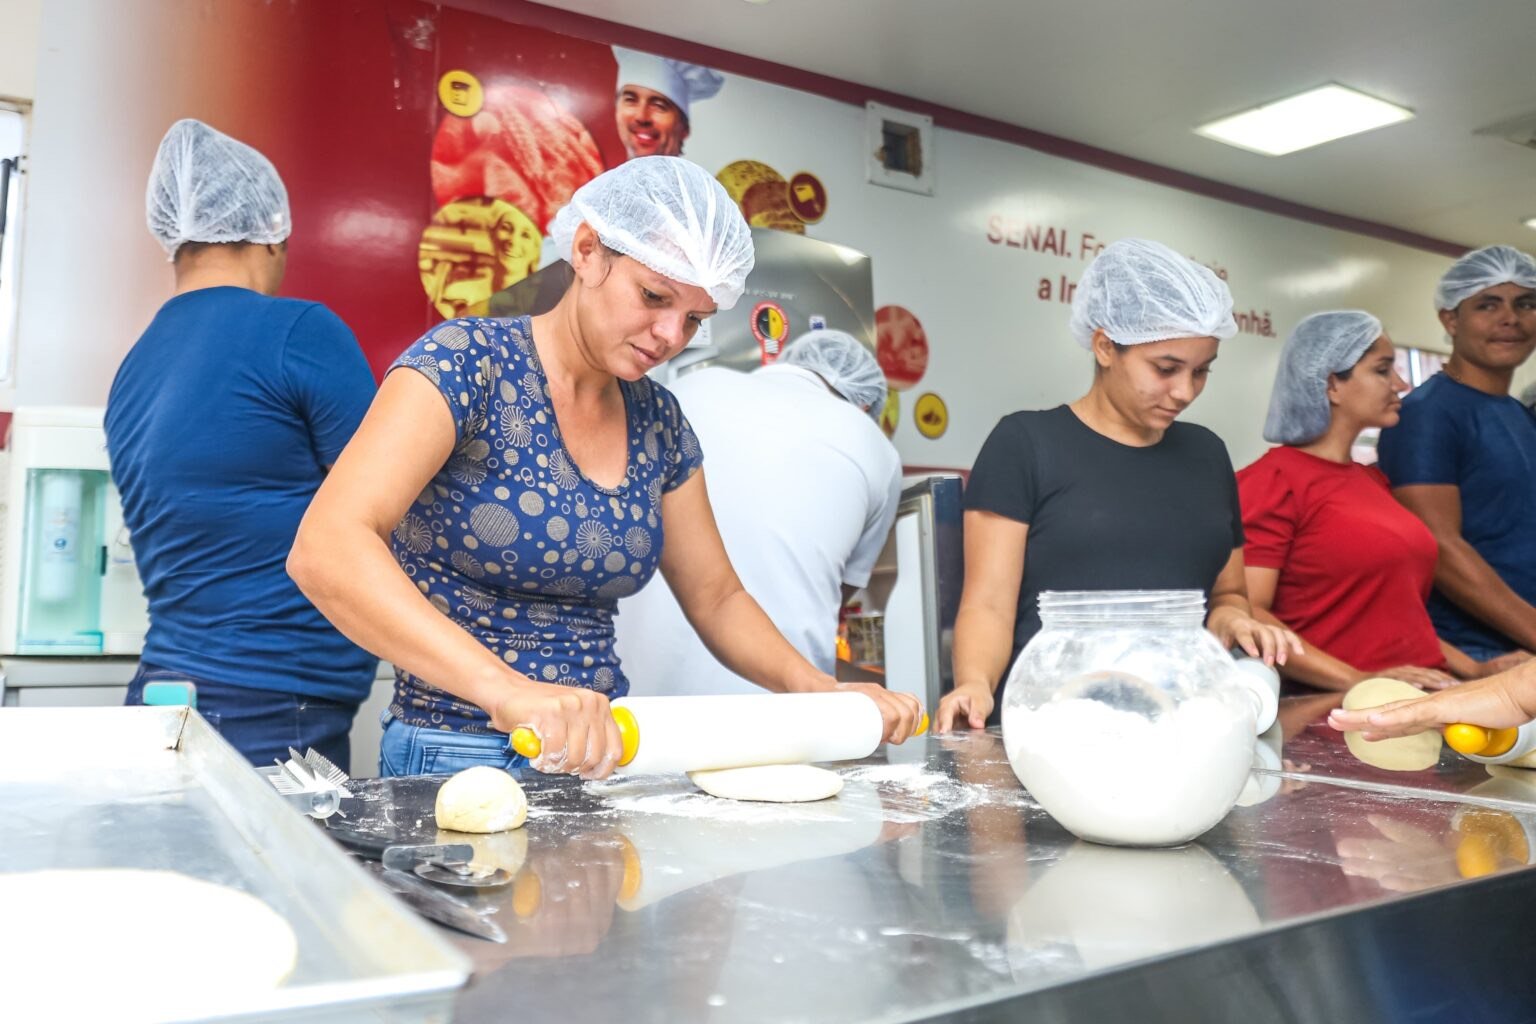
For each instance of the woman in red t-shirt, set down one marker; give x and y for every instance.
(1328, 552)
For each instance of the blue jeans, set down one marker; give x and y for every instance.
(263, 724)
(415, 750)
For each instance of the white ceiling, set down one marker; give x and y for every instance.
(1135, 76)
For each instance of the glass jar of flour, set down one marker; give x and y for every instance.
(1127, 721)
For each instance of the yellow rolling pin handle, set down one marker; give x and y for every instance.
(1480, 742)
(922, 726)
(527, 743)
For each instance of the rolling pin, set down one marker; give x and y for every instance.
(690, 734)
(1515, 747)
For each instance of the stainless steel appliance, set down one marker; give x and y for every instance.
(797, 284)
(915, 588)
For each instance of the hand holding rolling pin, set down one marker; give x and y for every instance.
(705, 733)
(575, 727)
(1503, 701)
(900, 712)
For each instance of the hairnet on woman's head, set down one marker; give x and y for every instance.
(846, 364)
(1321, 345)
(208, 187)
(1137, 291)
(1484, 268)
(670, 215)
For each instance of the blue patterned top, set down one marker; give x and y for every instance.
(511, 540)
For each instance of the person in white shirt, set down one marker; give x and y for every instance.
(804, 488)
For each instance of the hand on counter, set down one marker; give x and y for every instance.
(575, 727)
(967, 704)
(1234, 628)
(1503, 701)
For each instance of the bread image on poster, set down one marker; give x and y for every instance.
(520, 148)
(763, 195)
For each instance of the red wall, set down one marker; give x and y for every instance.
(344, 101)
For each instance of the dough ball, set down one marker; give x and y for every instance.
(481, 799)
(772, 783)
(1402, 754)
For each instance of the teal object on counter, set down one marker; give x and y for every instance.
(171, 693)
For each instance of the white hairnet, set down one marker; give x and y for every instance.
(1484, 268)
(208, 187)
(845, 363)
(1137, 291)
(670, 215)
(677, 80)
(1322, 344)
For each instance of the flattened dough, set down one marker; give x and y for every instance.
(770, 783)
(128, 945)
(1402, 754)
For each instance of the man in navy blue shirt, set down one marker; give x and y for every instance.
(221, 424)
(1463, 457)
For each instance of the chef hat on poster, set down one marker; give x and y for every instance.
(677, 80)
(208, 187)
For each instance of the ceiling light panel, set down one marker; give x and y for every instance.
(1307, 119)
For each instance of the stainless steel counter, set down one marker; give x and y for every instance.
(157, 789)
(934, 888)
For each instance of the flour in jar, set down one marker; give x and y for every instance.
(1122, 778)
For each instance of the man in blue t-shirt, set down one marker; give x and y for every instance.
(1463, 458)
(221, 424)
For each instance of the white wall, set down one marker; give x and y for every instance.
(19, 48)
(994, 346)
(91, 276)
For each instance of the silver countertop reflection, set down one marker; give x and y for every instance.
(933, 887)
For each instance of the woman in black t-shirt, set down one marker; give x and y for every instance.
(1109, 493)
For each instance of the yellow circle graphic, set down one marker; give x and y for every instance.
(474, 248)
(460, 93)
(931, 415)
